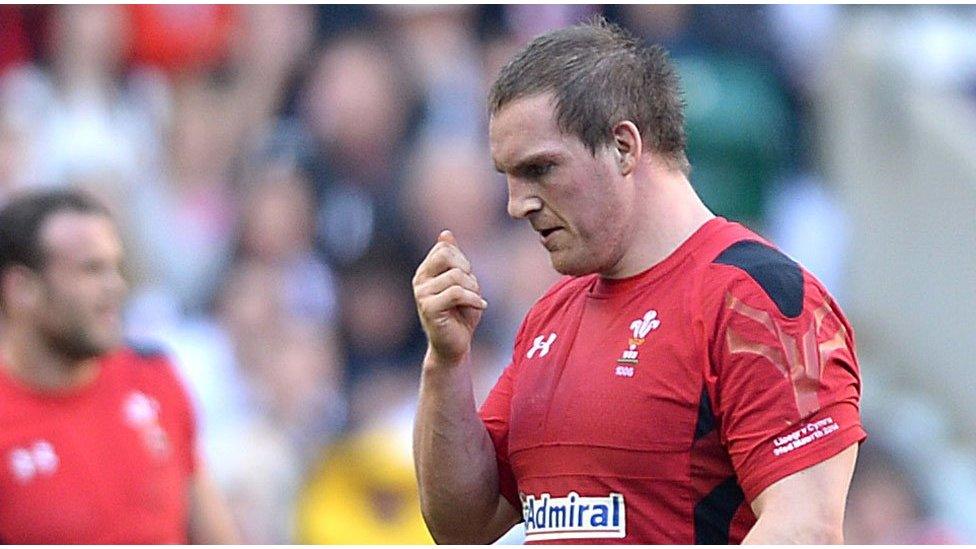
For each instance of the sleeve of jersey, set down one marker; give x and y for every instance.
(187, 418)
(495, 414)
(786, 389)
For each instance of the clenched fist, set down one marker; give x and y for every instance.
(448, 299)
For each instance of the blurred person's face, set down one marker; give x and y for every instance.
(250, 300)
(453, 188)
(249, 309)
(881, 509)
(578, 202)
(278, 222)
(90, 38)
(14, 154)
(659, 21)
(302, 369)
(75, 300)
(377, 313)
(197, 145)
(435, 35)
(355, 101)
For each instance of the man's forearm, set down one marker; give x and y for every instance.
(806, 507)
(769, 531)
(456, 466)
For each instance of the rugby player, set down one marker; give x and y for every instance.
(97, 439)
(686, 382)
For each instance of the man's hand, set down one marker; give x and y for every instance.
(449, 301)
(456, 466)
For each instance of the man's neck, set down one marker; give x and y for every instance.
(668, 212)
(26, 358)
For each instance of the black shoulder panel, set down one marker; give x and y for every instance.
(778, 275)
(145, 349)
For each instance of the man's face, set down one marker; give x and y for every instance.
(81, 285)
(578, 202)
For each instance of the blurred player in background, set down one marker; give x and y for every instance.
(686, 383)
(97, 440)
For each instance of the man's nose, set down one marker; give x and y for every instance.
(521, 200)
(117, 282)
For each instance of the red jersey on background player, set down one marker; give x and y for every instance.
(687, 384)
(96, 441)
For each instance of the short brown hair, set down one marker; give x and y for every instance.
(22, 220)
(600, 75)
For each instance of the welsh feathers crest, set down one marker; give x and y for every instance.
(643, 326)
(639, 330)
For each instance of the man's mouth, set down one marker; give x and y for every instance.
(547, 236)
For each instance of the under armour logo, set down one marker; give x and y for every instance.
(542, 345)
(35, 460)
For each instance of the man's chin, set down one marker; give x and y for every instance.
(108, 345)
(565, 264)
(93, 348)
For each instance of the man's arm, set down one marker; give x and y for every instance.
(454, 455)
(455, 461)
(806, 507)
(210, 519)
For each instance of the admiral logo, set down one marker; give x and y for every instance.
(574, 517)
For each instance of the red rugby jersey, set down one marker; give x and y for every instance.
(108, 463)
(653, 409)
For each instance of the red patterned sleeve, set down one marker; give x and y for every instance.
(786, 389)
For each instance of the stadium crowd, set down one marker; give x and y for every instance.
(279, 172)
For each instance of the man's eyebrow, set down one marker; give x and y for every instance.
(535, 158)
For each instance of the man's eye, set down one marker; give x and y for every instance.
(536, 171)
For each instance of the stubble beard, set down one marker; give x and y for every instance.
(576, 262)
(74, 343)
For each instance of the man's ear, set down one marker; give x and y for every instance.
(21, 288)
(628, 146)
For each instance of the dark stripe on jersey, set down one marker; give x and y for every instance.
(779, 276)
(713, 514)
(145, 349)
(706, 419)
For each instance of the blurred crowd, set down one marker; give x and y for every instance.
(279, 171)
